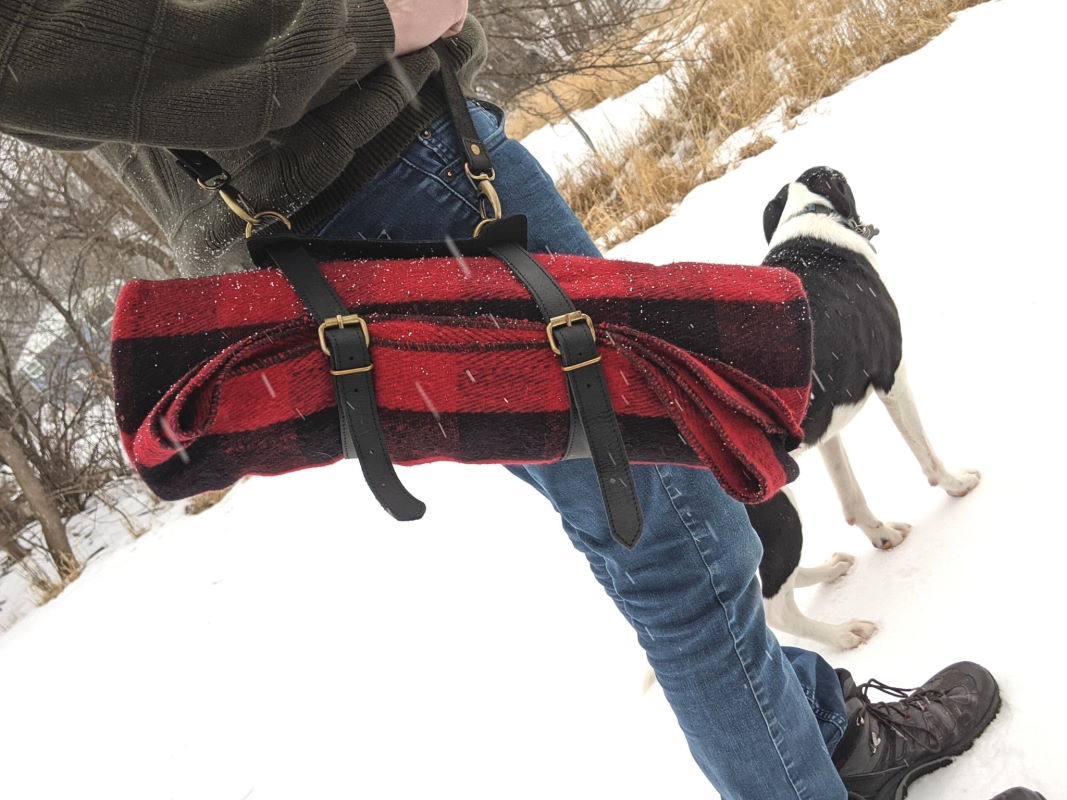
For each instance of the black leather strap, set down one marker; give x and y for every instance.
(594, 427)
(508, 230)
(477, 155)
(202, 168)
(347, 342)
(591, 407)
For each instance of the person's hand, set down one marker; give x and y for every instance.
(421, 22)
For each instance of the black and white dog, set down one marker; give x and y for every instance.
(814, 230)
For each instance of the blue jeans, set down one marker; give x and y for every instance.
(761, 720)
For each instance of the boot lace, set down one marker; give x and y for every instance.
(894, 715)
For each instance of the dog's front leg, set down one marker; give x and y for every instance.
(902, 409)
(784, 614)
(883, 535)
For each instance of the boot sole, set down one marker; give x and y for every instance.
(899, 789)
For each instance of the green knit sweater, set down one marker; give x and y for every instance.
(299, 100)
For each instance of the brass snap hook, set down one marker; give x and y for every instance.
(484, 183)
(237, 205)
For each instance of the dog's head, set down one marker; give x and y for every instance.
(820, 190)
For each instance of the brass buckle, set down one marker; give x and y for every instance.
(570, 319)
(484, 183)
(339, 322)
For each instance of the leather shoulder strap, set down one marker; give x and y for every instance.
(477, 155)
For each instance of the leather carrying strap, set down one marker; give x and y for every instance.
(571, 334)
(348, 345)
(594, 428)
(510, 229)
(478, 163)
(201, 167)
(344, 337)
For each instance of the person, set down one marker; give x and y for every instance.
(325, 111)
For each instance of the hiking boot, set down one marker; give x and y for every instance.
(887, 745)
(1018, 793)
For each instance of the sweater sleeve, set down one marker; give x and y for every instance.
(200, 74)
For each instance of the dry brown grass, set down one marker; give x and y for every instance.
(632, 57)
(583, 89)
(43, 586)
(202, 502)
(755, 56)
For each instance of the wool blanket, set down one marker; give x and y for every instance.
(707, 365)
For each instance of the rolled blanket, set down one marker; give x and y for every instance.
(221, 377)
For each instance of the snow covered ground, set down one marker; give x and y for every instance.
(284, 645)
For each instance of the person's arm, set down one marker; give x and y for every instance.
(174, 73)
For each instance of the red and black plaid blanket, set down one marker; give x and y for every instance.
(222, 377)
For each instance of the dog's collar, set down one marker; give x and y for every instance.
(868, 232)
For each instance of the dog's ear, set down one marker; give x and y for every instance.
(772, 214)
(831, 184)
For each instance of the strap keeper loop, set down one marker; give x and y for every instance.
(590, 362)
(353, 371)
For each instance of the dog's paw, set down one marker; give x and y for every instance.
(839, 564)
(888, 535)
(960, 483)
(853, 633)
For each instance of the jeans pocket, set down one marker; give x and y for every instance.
(488, 121)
